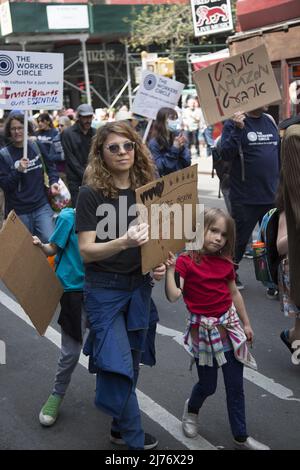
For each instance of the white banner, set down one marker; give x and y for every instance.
(31, 80)
(155, 92)
(67, 17)
(211, 16)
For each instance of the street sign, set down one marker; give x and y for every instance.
(31, 80)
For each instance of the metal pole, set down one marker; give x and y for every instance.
(128, 76)
(25, 138)
(106, 73)
(119, 94)
(86, 72)
(147, 130)
(190, 82)
(99, 96)
(74, 86)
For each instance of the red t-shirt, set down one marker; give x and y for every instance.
(206, 284)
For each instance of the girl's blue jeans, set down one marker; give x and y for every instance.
(233, 380)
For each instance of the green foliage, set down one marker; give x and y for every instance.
(161, 24)
(164, 25)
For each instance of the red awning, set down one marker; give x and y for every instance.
(199, 62)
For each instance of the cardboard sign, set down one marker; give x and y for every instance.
(156, 92)
(31, 80)
(25, 271)
(243, 82)
(169, 206)
(211, 16)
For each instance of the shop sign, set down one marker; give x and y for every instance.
(211, 16)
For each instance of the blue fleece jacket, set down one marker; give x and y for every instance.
(259, 141)
(171, 159)
(25, 192)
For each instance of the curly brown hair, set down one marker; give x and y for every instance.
(98, 176)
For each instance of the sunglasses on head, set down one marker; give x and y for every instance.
(116, 148)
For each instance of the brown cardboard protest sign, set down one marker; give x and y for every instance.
(240, 83)
(25, 271)
(168, 205)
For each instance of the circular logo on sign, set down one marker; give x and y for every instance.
(252, 136)
(6, 65)
(150, 82)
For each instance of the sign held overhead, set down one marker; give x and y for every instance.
(155, 92)
(31, 80)
(240, 83)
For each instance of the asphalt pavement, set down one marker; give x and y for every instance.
(272, 393)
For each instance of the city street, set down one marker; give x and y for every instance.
(272, 393)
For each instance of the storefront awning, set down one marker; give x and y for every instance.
(205, 60)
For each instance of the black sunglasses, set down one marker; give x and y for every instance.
(116, 148)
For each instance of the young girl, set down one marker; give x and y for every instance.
(214, 335)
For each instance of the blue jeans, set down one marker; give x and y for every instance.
(233, 379)
(40, 222)
(118, 310)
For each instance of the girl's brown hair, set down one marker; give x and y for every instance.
(211, 215)
(98, 176)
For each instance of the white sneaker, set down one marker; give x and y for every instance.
(189, 422)
(250, 444)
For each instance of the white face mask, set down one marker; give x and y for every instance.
(173, 125)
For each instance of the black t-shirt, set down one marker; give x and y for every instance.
(110, 218)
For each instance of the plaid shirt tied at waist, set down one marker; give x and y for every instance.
(210, 343)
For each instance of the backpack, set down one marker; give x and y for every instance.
(222, 167)
(266, 263)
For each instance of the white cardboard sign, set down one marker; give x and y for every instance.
(31, 80)
(242, 82)
(155, 92)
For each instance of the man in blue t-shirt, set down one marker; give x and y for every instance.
(251, 142)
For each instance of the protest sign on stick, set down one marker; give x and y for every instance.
(155, 92)
(169, 206)
(240, 83)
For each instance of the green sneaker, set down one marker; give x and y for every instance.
(49, 412)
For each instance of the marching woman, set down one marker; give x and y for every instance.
(117, 294)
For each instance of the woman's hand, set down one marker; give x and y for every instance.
(171, 261)
(137, 235)
(239, 118)
(159, 272)
(179, 141)
(55, 189)
(22, 165)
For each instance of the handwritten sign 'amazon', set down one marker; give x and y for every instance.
(31, 80)
(240, 83)
(170, 206)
